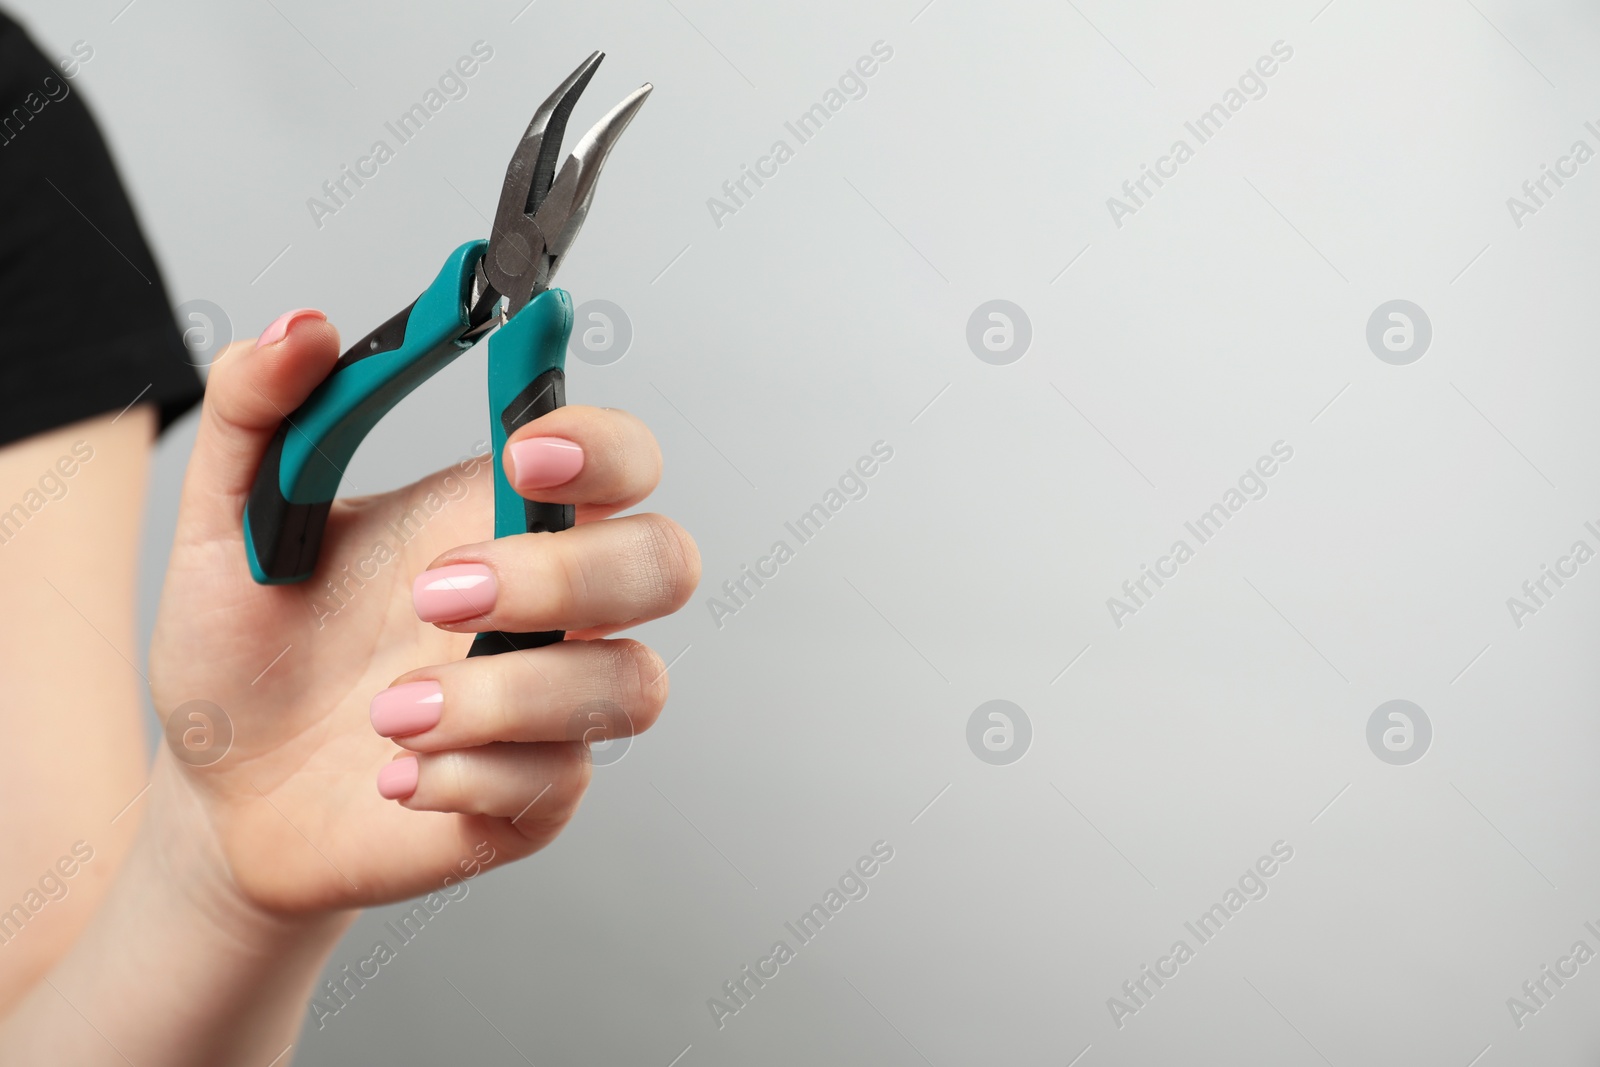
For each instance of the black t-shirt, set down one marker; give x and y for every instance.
(85, 325)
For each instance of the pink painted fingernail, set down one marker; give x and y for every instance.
(280, 326)
(398, 779)
(407, 709)
(455, 593)
(544, 462)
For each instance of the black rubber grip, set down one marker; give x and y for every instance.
(284, 537)
(543, 395)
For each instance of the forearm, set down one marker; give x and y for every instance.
(70, 506)
(176, 968)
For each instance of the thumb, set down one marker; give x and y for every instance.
(252, 388)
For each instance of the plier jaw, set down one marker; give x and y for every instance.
(541, 211)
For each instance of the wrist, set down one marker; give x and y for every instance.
(180, 848)
(235, 976)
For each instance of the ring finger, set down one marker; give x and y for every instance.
(572, 691)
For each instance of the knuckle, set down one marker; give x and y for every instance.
(571, 770)
(630, 459)
(671, 559)
(222, 406)
(640, 678)
(494, 709)
(446, 776)
(575, 575)
(233, 351)
(646, 454)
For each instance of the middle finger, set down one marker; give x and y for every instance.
(612, 573)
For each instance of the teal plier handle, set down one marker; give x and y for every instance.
(299, 476)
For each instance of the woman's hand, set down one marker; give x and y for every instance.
(369, 761)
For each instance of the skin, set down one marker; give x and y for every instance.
(72, 698)
(245, 872)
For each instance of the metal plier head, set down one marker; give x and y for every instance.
(540, 211)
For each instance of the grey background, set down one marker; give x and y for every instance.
(831, 312)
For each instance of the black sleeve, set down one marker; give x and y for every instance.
(85, 325)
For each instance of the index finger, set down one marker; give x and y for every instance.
(601, 459)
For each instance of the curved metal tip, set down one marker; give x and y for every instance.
(533, 164)
(564, 210)
(592, 149)
(540, 211)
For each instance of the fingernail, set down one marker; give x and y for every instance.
(280, 325)
(544, 462)
(455, 593)
(407, 709)
(398, 779)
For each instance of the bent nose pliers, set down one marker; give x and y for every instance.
(502, 282)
